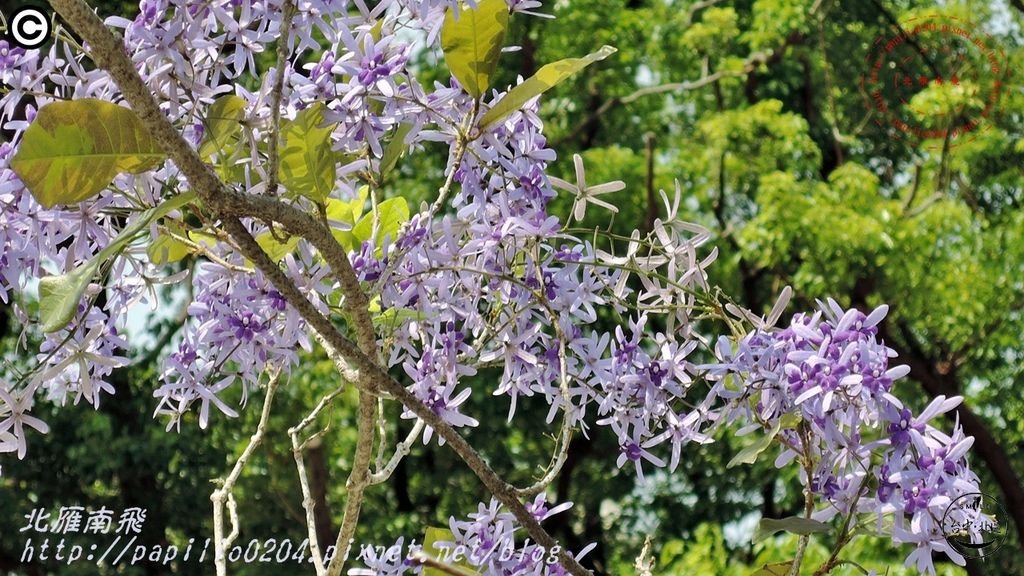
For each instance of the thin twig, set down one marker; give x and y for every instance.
(223, 494)
(805, 457)
(307, 503)
(561, 452)
(644, 562)
(273, 158)
(401, 451)
(913, 188)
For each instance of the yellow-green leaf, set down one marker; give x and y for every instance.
(223, 124)
(347, 212)
(74, 149)
(59, 295)
(274, 247)
(391, 214)
(166, 249)
(472, 44)
(775, 569)
(546, 78)
(307, 164)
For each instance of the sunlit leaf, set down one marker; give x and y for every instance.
(74, 149)
(392, 213)
(59, 295)
(274, 247)
(445, 554)
(346, 212)
(546, 78)
(306, 161)
(223, 124)
(472, 44)
(167, 249)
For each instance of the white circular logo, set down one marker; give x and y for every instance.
(30, 27)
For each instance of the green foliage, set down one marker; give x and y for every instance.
(774, 569)
(431, 540)
(774, 20)
(222, 125)
(395, 149)
(799, 185)
(714, 33)
(472, 40)
(761, 443)
(74, 149)
(167, 249)
(307, 164)
(276, 248)
(389, 217)
(546, 78)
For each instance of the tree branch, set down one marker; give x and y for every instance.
(401, 451)
(275, 97)
(808, 464)
(358, 480)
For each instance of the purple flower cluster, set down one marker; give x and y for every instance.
(239, 327)
(824, 386)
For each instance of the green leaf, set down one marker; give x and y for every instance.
(391, 214)
(75, 149)
(775, 569)
(794, 524)
(472, 44)
(166, 249)
(223, 124)
(395, 316)
(347, 212)
(59, 295)
(395, 149)
(749, 454)
(546, 78)
(306, 161)
(275, 248)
